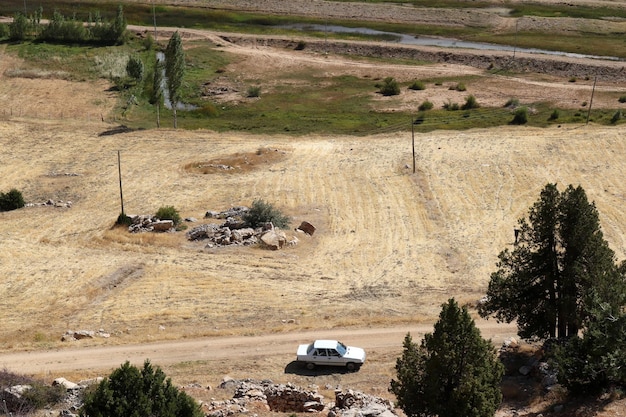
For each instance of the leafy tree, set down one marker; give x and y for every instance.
(18, 29)
(261, 212)
(135, 69)
(453, 372)
(559, 263)
(130, 392)
(174, 70)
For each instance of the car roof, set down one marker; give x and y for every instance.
(325, 344)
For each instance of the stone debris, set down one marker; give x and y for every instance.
(51, 203)
(149, 223)
(71, 335)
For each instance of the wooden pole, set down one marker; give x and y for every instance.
(413, 142)
(591, 100)
(119, 171)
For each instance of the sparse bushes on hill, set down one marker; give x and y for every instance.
(261, 212)
(254, 91)
(555, 115)
(458, 87)
(11, 201)
(616, 117)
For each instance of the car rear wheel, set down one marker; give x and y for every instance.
(310, 366)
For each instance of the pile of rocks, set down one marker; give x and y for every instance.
(72, 335)
(149, 223)
(288, 398)
(51, 203)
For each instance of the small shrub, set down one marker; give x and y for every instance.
(37, 397)
(555, 115)
(583, 104)
(572, 79)
(254, 92)
(135, 69)
(12, 200)
(451, 106)
(208, 109)
(300, 46)
(148, 42)
(417, 85)
(261, 212)
(438, 83)
(520, 117)
(123, 220)
(168, 213)
(426, 105)
(512, 103)
(616, 117)
(622, 99)
(470, 103)
(390, 87)
(458, 87)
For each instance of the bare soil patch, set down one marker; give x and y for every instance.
(238, 163)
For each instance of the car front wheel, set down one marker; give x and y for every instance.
(351, 366)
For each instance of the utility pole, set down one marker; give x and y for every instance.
(154, 19)
(119, 171)
(413, 142)
(591, 100)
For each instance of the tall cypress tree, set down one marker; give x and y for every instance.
(453, 372)
(559, 260)
(174, 70)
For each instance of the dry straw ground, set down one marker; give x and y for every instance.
(391, 245)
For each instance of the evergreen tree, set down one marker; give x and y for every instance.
(130, 392)
(454, 372)
(174, 70)
(559, 260)
(135, 69)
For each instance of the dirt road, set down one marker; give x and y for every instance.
(222, 349)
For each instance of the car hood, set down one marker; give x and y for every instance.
(302, 350)
(355, 353)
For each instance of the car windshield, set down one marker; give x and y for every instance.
(341, 348)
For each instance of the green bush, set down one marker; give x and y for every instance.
(262, 212)
(470, 103)
(135, 69)
(458, 87)
(417, 85)
(129, 391)
(451, 106)
(512, 102)
(11, 201)
(123, 220)
(390, 87)
(555, 115)
(520, 117)
(622, 99)
(426, 105)
(254, 92)
(300, 46)
(616, 117)
(4, 31)
(168, 213)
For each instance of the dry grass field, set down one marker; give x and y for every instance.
(390, 246)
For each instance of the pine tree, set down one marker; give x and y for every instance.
(561, 256)
(130, 392)
(454, 372)
(174, 70)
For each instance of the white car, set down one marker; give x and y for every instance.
(330, 352)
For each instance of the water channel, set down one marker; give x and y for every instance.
(437, 41)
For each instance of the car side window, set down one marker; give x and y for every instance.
(321, 352)
(333, 352)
